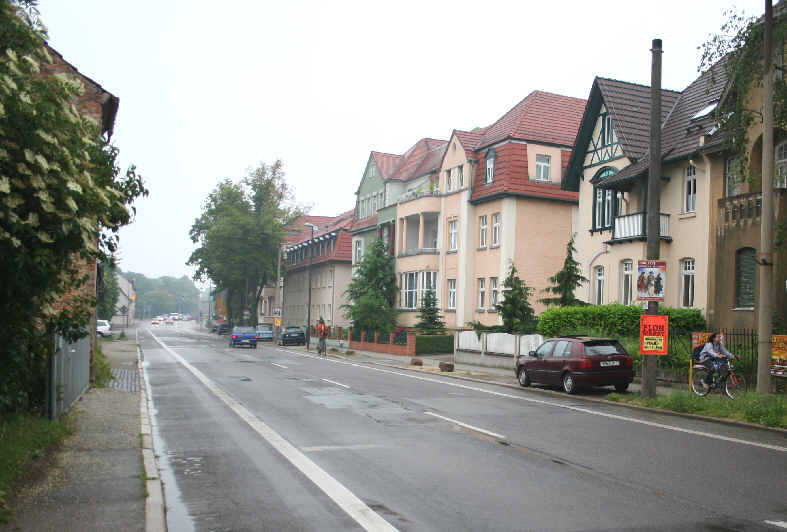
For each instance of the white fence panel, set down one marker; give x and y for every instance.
(469, 341)
(529, 343)
(500, 343)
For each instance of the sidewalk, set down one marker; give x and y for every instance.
(94, 480)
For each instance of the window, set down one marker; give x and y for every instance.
(410, 290)
(496, 229)
(481, 292)
(490, 167)
(691, 188)
(482, 231)
(358, 251)
(599, 283)
(609, 132)
(492, 292)
(453, 234)
(542, 167)
(562, 349)
(607, 208)
(460, 176)
(452, 294)
(744, 277)
(429, 282)
(599, 208)
(732, 179)
(545, 349)
(627, 272)
(448, 180)
(780, 166)
(687, 283)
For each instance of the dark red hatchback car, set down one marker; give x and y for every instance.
(577, 361)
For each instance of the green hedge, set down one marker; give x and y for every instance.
(614, 319)
(434, 343)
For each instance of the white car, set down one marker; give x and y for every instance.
(103, 328)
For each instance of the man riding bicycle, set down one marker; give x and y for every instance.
(322, 334)
(712, 357)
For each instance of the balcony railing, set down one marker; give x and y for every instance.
(735, 209)
(633, 226)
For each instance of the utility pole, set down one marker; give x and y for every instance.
(649, 362)
(765, 259)
(309, 306)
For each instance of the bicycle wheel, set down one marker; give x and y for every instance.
(734, 385)
(696, 381)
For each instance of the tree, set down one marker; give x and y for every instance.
(517, 314)
(372, 291)
(429, 320)
(566, 281)
(62, 202)
(108, 292)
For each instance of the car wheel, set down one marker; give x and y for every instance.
(524, 378)
(620, 388)
(569, 386)
(254, 346)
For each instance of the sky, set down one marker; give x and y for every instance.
(211, 89)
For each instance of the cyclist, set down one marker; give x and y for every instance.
(322, 333)
(712, 356)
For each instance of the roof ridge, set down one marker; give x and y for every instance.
(635, 84)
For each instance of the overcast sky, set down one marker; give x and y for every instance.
(209, 89)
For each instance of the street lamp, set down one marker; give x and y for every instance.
(309, 306)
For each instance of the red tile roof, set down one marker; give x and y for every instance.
(386, 162)
(329, 224)
(298, 231)
(420, 159)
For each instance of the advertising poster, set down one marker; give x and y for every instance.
(653, 334)
(651, 280)
(779, 355)
(699, 338)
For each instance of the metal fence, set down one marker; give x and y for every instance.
(743, 344)
(69, 375)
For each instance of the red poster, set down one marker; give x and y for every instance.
(653, 334)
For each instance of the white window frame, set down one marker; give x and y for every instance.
(609, 132)
(732, 177)
(409, 282)
(460, 176)
(608, 208)
(627, 281)
(598, 283)
(358, 252)
(690, 189)
(490, 170)
(542, 167)
(688, 268)
(429, 280)
(493, 292)
(452, 294)
(780, 165)
(448, 183)
(453, 234)
(599, 206)
(482, 231)
(481, 292)
(496, 229)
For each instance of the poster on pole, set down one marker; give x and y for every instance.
(779, 355)
(651, 280)
(653, 334)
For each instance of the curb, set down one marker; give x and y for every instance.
(685, 415)
(155, 508)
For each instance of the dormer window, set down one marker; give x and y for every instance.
(705, 111)
(490, 166)
(609, 132)
(542, 167)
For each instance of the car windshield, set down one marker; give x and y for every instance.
(604, 347)
(243, 330)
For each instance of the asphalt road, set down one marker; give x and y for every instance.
(276, 439)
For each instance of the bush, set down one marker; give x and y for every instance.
(102, 369)
(434, 343)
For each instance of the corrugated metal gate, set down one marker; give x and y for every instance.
(69, 375)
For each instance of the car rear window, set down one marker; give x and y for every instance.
(245, 329)
(604, 347)
(264, 327)
(293, 329)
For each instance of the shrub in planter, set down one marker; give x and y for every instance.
(434, 343)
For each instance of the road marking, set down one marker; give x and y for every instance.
(465, 425)
(344, 498)
(780, 524)
(357, 447)
(279, 365)
(583, 410)
(336, 383)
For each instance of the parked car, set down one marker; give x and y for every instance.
(575, 362)
(155, 321)
(103, 328)
(243, 336)
(265, 332)
(292, 336)
(223, 328)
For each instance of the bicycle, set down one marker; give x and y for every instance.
(731, 382)
(322, 349)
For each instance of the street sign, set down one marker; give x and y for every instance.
(651, 280)
(653, 334)
(277, 322)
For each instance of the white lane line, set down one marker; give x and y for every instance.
(780, 524)
(279, 365)
(336, 383)
(465, 425)
(358, 447)
(344, 498)
(550, 403)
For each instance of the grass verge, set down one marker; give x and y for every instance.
(101, 367)
(23, 439)
(768, 410)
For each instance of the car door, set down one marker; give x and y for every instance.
(553, 362)
(536, 366)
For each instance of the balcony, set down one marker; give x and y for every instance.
(418, 234)
(737, 209)
(633, 227)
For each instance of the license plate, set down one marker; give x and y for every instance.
(609, 363)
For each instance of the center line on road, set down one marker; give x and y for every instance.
(279, 365)
(336, 383)
(465, 425)
(343, 497)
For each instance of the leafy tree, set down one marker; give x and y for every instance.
(429, 320)
(62, 203)
(109, 292)
(372, 291)
(239, 234)
(163, 295)
(518, 316)
(566, 281)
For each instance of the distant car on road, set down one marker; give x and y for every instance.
(292, 336)
(103, 328)
(577, 361)
(155, 321)
(243, 336)
(223, 328)
(265, 332)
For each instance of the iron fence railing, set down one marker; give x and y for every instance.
(69, 375)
